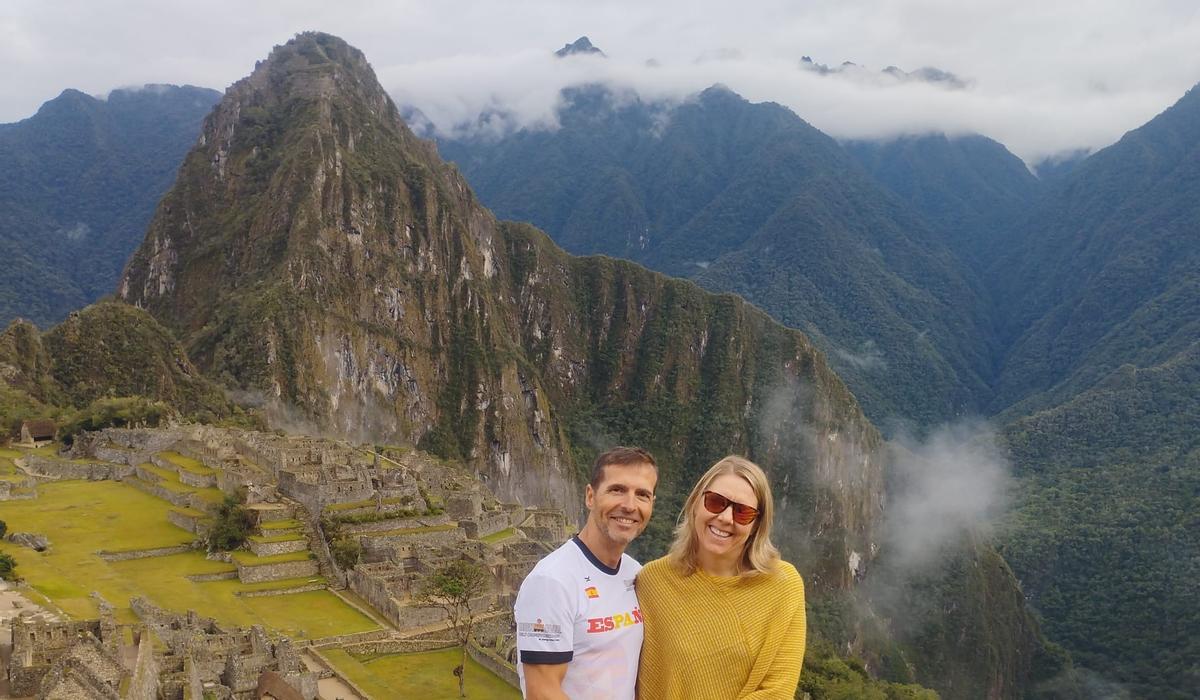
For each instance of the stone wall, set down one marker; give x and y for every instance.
(396, 524)
(26, 681)
(175, 498)
(268, 549)
(492, 662)
(200, 481)
(144, 685)
(274, 572)
(487, 523)
(143, 553)
(56, 468)
(194, 524)
(447, 538)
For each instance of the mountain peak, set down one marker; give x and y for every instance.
(581, 46)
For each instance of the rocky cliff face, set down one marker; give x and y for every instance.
(314, 250)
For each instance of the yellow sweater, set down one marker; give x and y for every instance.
(720, 638)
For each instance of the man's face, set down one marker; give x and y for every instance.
(621, 505)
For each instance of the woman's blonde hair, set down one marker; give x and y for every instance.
(759, 556)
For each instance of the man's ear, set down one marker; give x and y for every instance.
(589, 496)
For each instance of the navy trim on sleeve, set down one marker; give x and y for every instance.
(592, 558)
(546, 657)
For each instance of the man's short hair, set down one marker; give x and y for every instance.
(619, 456)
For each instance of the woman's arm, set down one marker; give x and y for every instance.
(783, 676)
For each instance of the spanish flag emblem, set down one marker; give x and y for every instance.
(592, 592)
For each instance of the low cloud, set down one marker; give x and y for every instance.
(1042, 78)
(952, 483)
(868, 357)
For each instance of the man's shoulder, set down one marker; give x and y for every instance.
(558, 563)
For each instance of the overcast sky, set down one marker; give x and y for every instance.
(1042, 76)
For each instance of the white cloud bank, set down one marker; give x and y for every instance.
(1043, 77)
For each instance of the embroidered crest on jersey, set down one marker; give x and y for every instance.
(592, 592)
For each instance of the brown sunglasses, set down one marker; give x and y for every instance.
(716, 504)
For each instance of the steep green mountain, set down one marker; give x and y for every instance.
(314, 251)
(1099, 387)
(1104, 538)
(1104, 271)
(108, 350)
(78, 184)
(966, 187)
(750, 198)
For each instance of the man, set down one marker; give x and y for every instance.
(579, 630)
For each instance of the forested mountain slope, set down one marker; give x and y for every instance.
(967, 187)
(1106, 270)
(78, 184)
(750, 198)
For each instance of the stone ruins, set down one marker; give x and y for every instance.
(406, 514)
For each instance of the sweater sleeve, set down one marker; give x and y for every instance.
(783, 676)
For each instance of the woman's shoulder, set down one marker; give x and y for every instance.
(659, 568)
(785, 578)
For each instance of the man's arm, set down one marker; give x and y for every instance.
(545, 614)
(544, 681)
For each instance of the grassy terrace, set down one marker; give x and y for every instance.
(423, 675)
(81, 518)
(194, 466)
(410, 530)
(280, 525)
(369, 503)
(170, 480)
(498, 536)
(8, 470)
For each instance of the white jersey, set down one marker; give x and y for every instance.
(573, 609)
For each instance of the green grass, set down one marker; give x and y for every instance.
(423, 675)
(164, 474)
(410, 530)
(368, 503)
(281, 584)
(280, 525)
(194, 466)
(81, 518)
(169, 480)
(498, 536)
(9, 454)
(8, 470)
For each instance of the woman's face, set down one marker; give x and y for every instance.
(719, 537)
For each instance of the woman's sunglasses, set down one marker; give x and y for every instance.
(716, 504)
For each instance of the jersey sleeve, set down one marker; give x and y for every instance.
(545, 616)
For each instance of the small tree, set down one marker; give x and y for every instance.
(8, 567)
(347, 552)
(232, 526)
(3, 528)
(452, 588)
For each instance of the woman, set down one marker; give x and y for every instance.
(723, 615)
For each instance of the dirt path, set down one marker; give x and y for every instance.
(329, 688)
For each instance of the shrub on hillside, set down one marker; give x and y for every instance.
(232, 526)
(8, 567)
(115, 413)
